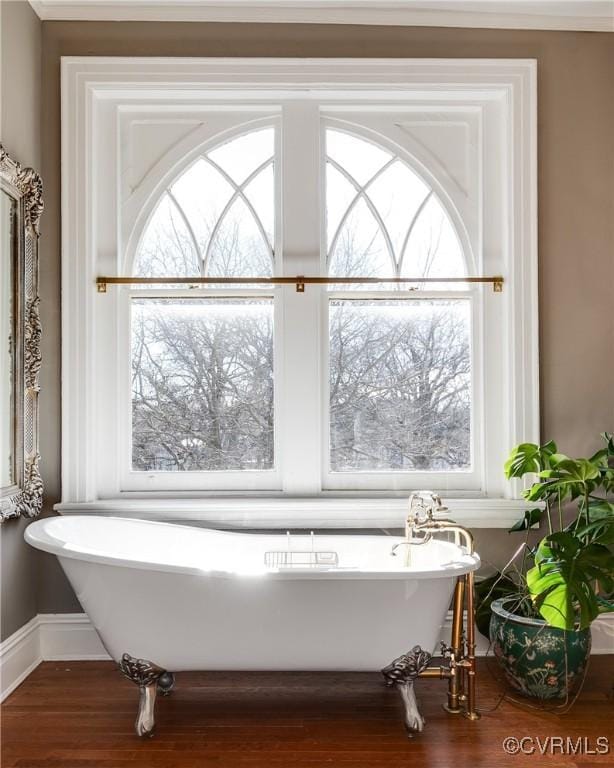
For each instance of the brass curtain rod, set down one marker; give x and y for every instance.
(300, 281)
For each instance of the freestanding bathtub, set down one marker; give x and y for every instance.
(173, 598)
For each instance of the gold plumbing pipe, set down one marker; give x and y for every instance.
(299, 280)
(471, 711)
(455, 684)
(461, 666)
(439, 672)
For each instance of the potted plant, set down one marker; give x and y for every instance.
(540, 613)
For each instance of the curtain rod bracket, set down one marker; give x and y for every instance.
(300, 284)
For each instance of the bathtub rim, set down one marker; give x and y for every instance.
(37, 536)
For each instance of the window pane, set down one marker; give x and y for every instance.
(433, 248)
(240, 157)
(400, 381)
(339, 195)
(261, 194)
(217, 218)
(202, 384)
(202, 192)
(397, 194)
(360, 158)
(360, 249)
(382, 218)
(239, 248)
(167, 247)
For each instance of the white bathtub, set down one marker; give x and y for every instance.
(195, 599)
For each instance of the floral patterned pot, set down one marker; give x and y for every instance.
(538, 660)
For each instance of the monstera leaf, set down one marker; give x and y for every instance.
(531, 517)
(562, 581)
(600, 531)
(566, 478)
(529, 457)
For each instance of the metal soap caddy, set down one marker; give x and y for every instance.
(289, 558)
(459, 667)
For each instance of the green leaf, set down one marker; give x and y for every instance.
(600, 457)
(562, 581)
(558, 458)
(531, 517)
(567, 478)
(605, 605)
(528, 458)
(609, 442)
(560, 602)
(599, 531)
(572, 470)
(600, 508)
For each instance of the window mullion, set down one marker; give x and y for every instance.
(300, 370)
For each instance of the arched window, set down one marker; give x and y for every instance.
(217, 218)
(382, 218)
(202, 367)
(400, 368)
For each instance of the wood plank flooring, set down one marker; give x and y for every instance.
(81, 714)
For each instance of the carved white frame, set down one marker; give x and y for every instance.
(89, 83)
(24, 185)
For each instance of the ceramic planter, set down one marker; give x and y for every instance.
(539, 661)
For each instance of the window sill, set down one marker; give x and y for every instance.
(276, 512)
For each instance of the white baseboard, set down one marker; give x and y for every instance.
(19, 655)
(47, 637)
(71, 637)
(602, 631)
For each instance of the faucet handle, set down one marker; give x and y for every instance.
(438, 505)
(446, 650)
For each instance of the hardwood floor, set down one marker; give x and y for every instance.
(81, 714)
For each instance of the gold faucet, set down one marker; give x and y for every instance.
(461, 652)
(429, 524)
(422, 506)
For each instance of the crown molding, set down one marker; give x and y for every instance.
(578, 15)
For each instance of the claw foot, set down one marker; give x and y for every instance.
(414, 722)
(402, 672)
(166, 683)
(149, 677)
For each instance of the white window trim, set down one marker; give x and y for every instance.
(267, 511)
(87, 82)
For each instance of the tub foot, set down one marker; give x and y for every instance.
(166, 683)
(402, 672)
(148, 677)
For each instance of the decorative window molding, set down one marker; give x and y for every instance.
(491, 101)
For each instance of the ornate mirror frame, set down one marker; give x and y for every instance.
(24, 186)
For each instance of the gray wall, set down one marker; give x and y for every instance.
(576, 206)
(20, 57)
(576, 195)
